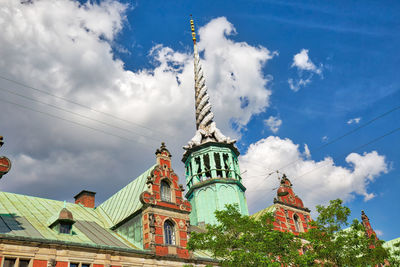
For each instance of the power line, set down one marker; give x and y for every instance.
(324, 165)
(355, 149)
(344, 135)
(77, 114)
(74, 122)
(81, 105)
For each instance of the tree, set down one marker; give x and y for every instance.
(239, 240)
(332, 245)
(394, 258)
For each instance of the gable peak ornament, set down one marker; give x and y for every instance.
(5, 163)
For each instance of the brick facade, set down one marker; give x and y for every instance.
(86, 198)
(52, 255)
(290, 213)
(157, 211)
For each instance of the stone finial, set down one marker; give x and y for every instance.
(162, 149)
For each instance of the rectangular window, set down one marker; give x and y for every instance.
(23, 263)
(73, 264)
(207, 168)
(65, 228)
(85, 265)
(9, 262)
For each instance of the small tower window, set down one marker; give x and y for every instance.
(165, 191)
(218, 164)
(169, 233)
(207, 168)
(198, 171)
(226, 164)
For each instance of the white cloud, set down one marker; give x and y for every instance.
(307, 152)
(316, 182)
(296, 85)
(67, 48)
(302, 62)
(379, 232)
(306, 70)
(273, 123)
(354, 120)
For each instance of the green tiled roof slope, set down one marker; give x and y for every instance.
(126, 201)
(27, 216)
(258, 214)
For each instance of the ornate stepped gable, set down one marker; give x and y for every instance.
(288, 209)
(368, 228)
(165, 211)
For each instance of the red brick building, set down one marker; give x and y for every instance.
(146, 223)
(288, 210)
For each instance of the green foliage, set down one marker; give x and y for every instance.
(240, 240)
(335, 246)
(394, 257)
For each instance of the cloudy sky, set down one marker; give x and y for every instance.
(89, 90)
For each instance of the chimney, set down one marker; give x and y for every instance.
(86, 198)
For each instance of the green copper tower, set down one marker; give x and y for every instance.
(211, 159)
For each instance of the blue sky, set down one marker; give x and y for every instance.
(349, 67)
(356, 45)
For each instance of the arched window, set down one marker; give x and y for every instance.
(169, 233)
(296, 223)
(165, 191)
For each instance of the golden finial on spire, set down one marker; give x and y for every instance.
(193, 31)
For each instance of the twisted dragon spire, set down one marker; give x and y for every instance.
(204, 115)
(207, 130)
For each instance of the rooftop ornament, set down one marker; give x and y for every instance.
(5, 163)
(207, 130)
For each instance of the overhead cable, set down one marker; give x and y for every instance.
(74, 113)
(79, 104)
(74, 122)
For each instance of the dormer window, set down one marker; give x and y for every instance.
(169, 233)
(63, 224)
(165, 192)
(65, 228)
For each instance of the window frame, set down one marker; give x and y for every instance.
(16, 260)
(169, 234)
(165, 196)
(297, 224)
(62, 227)
(79, 264)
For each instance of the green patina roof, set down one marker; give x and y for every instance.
(30, 217)
(126, 201)
(27, 216)
(260, 213)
